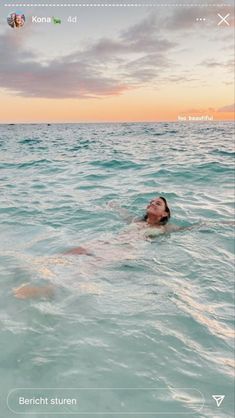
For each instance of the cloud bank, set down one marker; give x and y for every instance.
(107, 67)
(137, 56)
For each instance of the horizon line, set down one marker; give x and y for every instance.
(112, 122)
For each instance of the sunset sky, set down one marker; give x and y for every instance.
(117, 64)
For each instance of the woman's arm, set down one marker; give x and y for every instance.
(124, 213)
(176, 228)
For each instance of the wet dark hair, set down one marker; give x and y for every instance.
(164, 219)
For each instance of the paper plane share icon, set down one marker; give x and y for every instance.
(218, 399)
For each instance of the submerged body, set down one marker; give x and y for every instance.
(154, 223)
(125, 246)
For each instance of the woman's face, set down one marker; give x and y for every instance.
(19, 21)
(156, 208)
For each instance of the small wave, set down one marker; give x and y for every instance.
(223, 152)
(30, 141)
(115, 164)
(163, 133)
(214, 166)
(34, 163)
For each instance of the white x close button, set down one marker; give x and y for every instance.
(223, 19)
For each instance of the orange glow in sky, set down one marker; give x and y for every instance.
(131, 106)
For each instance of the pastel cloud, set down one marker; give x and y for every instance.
(210, 110)
(228, 64)
(229, 108)
(61, 77)
(106, 67)
(140, 55)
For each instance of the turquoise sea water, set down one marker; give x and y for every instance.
(153, 315)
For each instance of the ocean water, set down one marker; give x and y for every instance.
(154, 316)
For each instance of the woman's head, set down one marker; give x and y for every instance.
(158, 211)
(19, 20)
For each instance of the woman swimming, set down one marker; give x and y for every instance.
(156, 218)
(124, 246)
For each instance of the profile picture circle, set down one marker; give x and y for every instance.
(16, 20)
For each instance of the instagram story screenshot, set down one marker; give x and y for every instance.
(117, 214)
